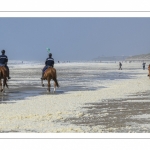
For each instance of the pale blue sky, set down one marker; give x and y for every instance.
(73, 38)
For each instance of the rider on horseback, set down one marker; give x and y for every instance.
(3, 61)
(48, 63)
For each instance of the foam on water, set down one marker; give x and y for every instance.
(24, 64)
(83, 76)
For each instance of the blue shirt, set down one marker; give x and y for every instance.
(49, 62)
(3, 59)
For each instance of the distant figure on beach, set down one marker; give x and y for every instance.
(48, 63)
(144, 65)
(149, 70)
(120, 66)
(3, 62)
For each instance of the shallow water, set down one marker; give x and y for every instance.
(25, 78)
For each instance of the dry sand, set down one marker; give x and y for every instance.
(121, 107)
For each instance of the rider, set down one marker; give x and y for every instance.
(48, 63)
(3, 61)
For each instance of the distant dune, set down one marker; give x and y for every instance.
(110, 58)
(142, 57)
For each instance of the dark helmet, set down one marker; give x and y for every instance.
(3, 51)
(50, 54)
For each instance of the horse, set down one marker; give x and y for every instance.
(3, 78)
(149, 70)
(49, 74)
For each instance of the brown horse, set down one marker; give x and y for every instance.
(149, 70)
(49, 74)
(3, 78)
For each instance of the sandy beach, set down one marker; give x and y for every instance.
(92, 98)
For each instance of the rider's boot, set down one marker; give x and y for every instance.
(7, 72)
(8, 76)
(42, 76)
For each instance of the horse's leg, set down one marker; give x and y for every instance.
(4, 81)
(0, 85)
(54, 87)
(42, 83)
(49, 85)
(4, 84)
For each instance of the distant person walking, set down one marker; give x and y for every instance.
(120, 66)
(149, 70)
(144, 65)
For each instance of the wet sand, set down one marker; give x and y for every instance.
(80, 105)
(125, 115)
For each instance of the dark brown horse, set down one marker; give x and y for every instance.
(50, 74)
(3, 78)
(149, 70)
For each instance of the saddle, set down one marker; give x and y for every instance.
(47, 68)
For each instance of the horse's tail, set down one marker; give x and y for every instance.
(56, 82)
(5, 82)
(55, 78)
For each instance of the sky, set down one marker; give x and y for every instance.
(73, 39)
